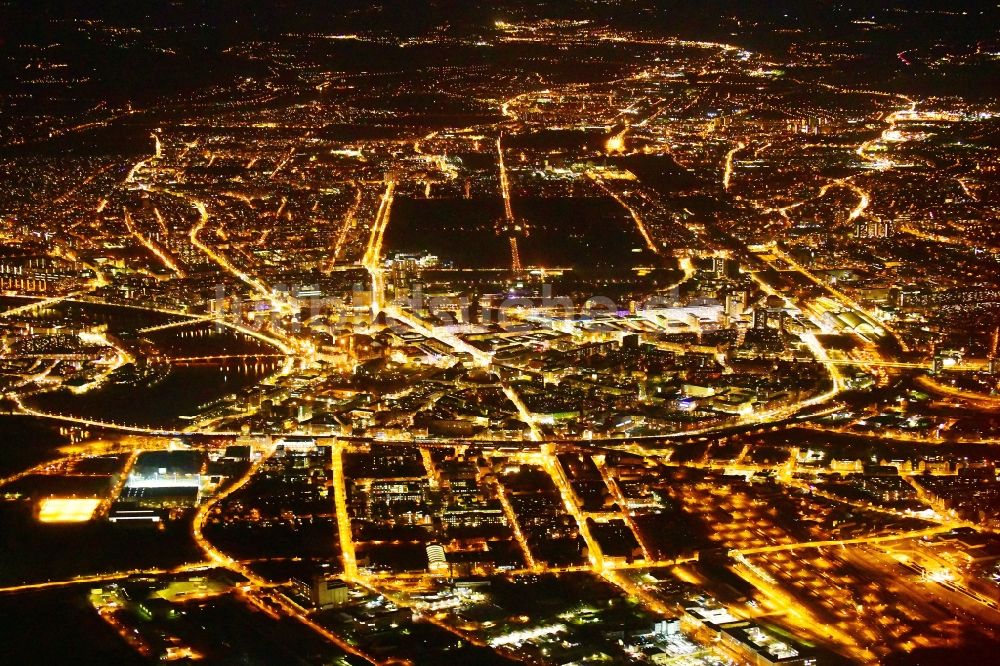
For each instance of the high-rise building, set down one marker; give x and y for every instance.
(760, 318)
(873, 228)
(436, 560)
(328, 592)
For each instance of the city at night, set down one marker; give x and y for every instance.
(444, 332)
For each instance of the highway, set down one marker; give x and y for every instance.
(512, 226)
(727, 171)
(102, 578)
(344, 532)
(221, 260)
(153, 248)
(523, 411)
(555, 470)
(372, 260)
(916, 534)
(892, 119)
(40, 304)
(616, 492)
(980, 400)
(348, 223)
(633, 213)
(515, 526)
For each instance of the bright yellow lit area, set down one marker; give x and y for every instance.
(66, 510)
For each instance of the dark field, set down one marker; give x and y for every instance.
(590, 236)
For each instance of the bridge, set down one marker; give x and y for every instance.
(219, 359)
(169, 324)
